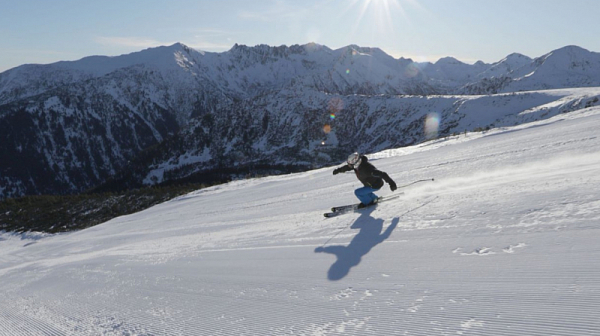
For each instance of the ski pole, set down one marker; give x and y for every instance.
(425, 180)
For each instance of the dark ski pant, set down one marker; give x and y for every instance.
(365, 194)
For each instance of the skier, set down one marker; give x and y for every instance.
(371, 177)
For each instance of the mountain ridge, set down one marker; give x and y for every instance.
(81, 122)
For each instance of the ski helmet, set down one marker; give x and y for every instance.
(354, 160)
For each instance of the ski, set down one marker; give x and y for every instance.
(335, 211)
(354, 206)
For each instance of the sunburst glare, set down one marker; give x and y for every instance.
(383, 12)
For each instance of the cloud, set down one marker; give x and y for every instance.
(421, 58)
(211, 39)
(199, 41)
(136, 42)
(209, 46)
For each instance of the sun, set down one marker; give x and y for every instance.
(379, 21)
(380, 2)
(381, 12)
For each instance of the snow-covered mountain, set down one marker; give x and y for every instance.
(451, 73)
(548, 71)
(171, 112)
(503, 242)
(506, 66)
(567, 67)
(309, 137)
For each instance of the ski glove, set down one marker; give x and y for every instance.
(336, 171)
(393, 185)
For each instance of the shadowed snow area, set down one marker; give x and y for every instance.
(505, 241)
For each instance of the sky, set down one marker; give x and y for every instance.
(41, 31)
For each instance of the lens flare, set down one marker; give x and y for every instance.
(335, 105)
(411, 70)
(332, 116)
(432, 125)
(347, 71)
(326, 129)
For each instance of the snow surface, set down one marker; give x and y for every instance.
(504, 242)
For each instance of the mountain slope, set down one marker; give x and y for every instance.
(308, 137)
(548, 70)
(504, 242)
(566, 67)
(506, 66)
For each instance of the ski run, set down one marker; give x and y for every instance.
(505, 241)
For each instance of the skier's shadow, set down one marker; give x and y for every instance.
(351, 255)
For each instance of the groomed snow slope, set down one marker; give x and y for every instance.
(504, 242)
